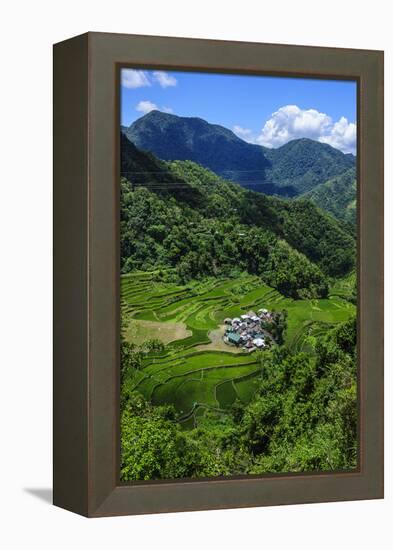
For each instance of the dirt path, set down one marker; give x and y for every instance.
(217, 343)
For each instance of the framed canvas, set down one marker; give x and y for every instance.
(218, 274)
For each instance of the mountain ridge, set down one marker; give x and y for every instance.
(171, 137)
(292, 169)
(337, 196)
(209, 201)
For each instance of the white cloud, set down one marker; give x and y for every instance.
(164, 79)
(291, 122)
(342, 136)
(146, 106)
(244, 133)
(131, 78)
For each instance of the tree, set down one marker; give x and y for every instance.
(152, 447)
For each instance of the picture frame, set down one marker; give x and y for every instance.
(86, 444)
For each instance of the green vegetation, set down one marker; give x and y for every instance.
(171, 137)
(337, 196)
(346, 288)
(305, 163)
(215, 228)
(299, 414)
(315, 233)
(196, 249)
(212, 396)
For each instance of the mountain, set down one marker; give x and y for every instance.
(142, 168)
(337, 196)
(172, 137)
(290, 170)
(181, 214)
(305, 163)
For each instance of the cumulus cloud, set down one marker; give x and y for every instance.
(291, 122)
(244, 133)
(146, 106)
(132, 78)
(164, 79)
(342, 136)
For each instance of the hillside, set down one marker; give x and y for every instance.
(305, 163)
(293, 169)
(195, 250)
(337, 196)
(144, 169)
(171, 137)
(223, 412)
(211, 227)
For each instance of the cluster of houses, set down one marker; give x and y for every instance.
(248, 330)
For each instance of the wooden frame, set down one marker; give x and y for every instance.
(86, 273)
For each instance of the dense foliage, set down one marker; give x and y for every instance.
(337, 196)
(303, 417)
(316, 234)
(188, 225)
(181, 215)
(305, 163)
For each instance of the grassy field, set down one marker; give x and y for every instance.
(138, 331)
(196, 373)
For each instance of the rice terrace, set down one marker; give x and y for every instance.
(238, 254)
(194, 373)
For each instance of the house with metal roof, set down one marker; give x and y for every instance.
(259, 342)
(247, 331)
(234, 338)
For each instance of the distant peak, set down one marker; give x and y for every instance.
(301, 140)
(157, 113)
(308, 142)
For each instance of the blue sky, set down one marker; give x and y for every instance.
(260, 109)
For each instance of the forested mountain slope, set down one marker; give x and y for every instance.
(171, 137)
(180, 215)
(195, 249)
(305, 163)
(290, 170)
(337, 196)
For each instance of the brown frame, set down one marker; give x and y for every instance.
(86, 273)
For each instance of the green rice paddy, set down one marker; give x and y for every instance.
(197, 380)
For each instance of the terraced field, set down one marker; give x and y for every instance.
(194, 373)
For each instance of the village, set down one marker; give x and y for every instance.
(249, 331)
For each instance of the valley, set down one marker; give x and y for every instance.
(189, 374)
(213, 228)
(290, 170)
